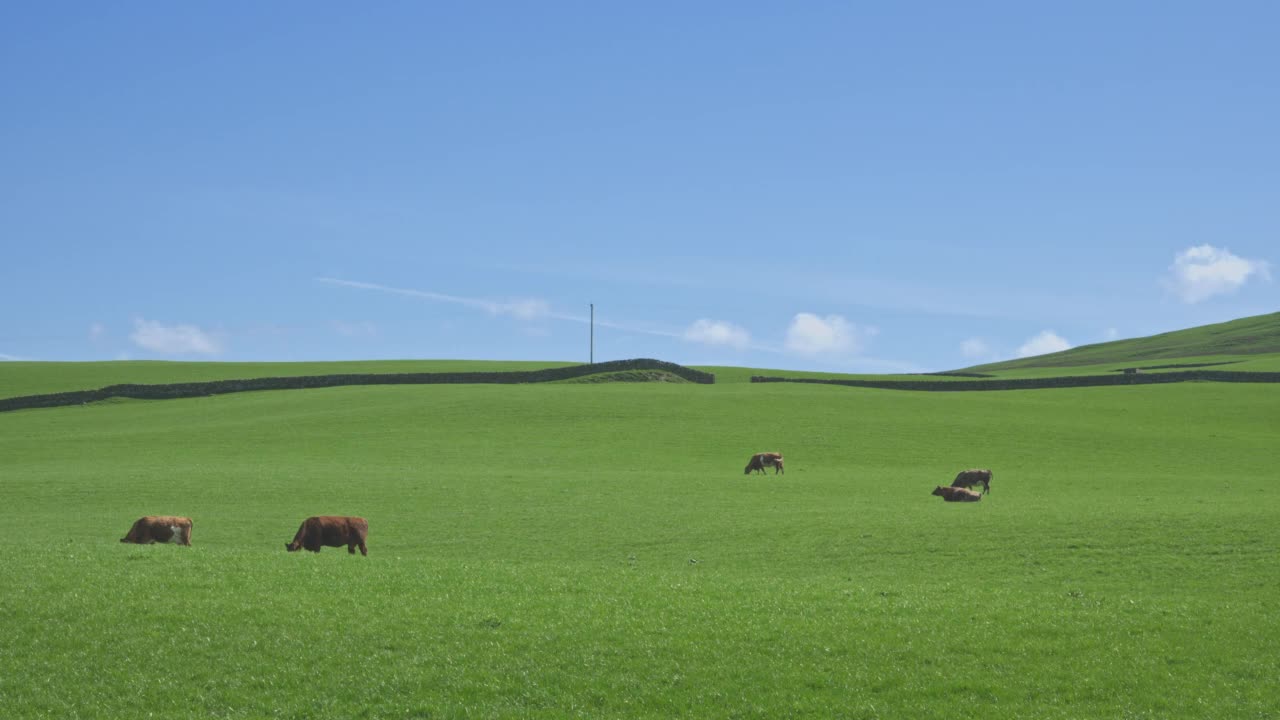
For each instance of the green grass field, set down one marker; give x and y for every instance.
(594, 551)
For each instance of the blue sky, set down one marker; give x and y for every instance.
(860, 187)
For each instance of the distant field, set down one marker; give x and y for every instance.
(35, 378)
(32, 378)
(1234, 363)
(743, 375)
(1237, 363)
(576, 550)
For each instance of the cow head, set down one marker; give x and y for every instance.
(938, 491)
(293, 546)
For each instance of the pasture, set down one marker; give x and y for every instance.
(595, 551)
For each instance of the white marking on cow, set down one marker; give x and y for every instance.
(177, 534)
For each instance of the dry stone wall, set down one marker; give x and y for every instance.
(1070, 381)
(221, 387)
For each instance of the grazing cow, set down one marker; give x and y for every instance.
(969, 478)
(760, 461)
(955, 494)
(331, 531)
(159, 528)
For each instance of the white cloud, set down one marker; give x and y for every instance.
(715, 332)
(975, 348)
(174, 339)
(10, 358)
(1046, 342)
(1198, 273)
(813, 335)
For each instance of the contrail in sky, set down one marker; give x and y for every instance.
(529, 309)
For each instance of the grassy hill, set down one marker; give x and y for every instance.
(1208, 343)
(35, 378)
(1244, 345)
(594, 550)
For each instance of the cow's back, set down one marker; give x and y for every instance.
(337, 530)
(160, 528)
(972, 477)
(959, 494)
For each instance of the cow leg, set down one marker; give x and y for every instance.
(363, 550)
(351, 548)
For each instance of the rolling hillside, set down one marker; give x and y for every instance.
(1248, 350)
(1255, 335)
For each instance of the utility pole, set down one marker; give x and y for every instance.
(593, 334)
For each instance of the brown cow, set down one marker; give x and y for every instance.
(760, 461)
(159, 528)
(331, 531)
(955, 494)
(969, 478)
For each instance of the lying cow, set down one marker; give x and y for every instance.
(760, 461)
(159, 529)
(331, 531)
(969, 478)
(955, 494)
